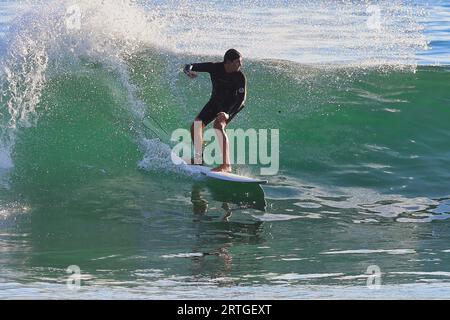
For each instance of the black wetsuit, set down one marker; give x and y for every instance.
(228, 91)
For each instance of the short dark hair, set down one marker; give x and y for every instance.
(231, 55)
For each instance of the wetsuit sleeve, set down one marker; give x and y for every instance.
(241, 95)
(202, 67)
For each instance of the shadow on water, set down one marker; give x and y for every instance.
(234, 196)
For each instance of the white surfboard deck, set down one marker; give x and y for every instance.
(193, 168)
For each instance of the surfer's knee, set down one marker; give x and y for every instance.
(223, 116)
(221, 121)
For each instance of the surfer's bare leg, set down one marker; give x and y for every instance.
(219, 125)
(197, 138)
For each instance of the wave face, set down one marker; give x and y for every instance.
(355, 120)
(358, 92)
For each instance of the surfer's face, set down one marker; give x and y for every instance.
(236, 65)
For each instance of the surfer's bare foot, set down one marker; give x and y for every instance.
(222, 168)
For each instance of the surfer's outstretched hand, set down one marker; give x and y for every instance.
(187, 70)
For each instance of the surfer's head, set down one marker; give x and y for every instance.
(232, 60)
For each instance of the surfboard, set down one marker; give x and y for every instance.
(225, 176)
(232, 177)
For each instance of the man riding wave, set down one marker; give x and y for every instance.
(227, 99)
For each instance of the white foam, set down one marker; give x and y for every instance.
(275, 217)
(183, 255)
(432, 273)
(296, 276)
(305, 31)
(12, 209)
(366, 251)
(310, 205)
(106, 257)
(157, 157)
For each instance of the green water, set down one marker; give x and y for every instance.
(363, 181)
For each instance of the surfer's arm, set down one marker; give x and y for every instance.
(241, 95)
(191, 69)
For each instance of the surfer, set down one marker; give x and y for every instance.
(227, 99)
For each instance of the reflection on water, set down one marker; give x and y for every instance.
(234, 197)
